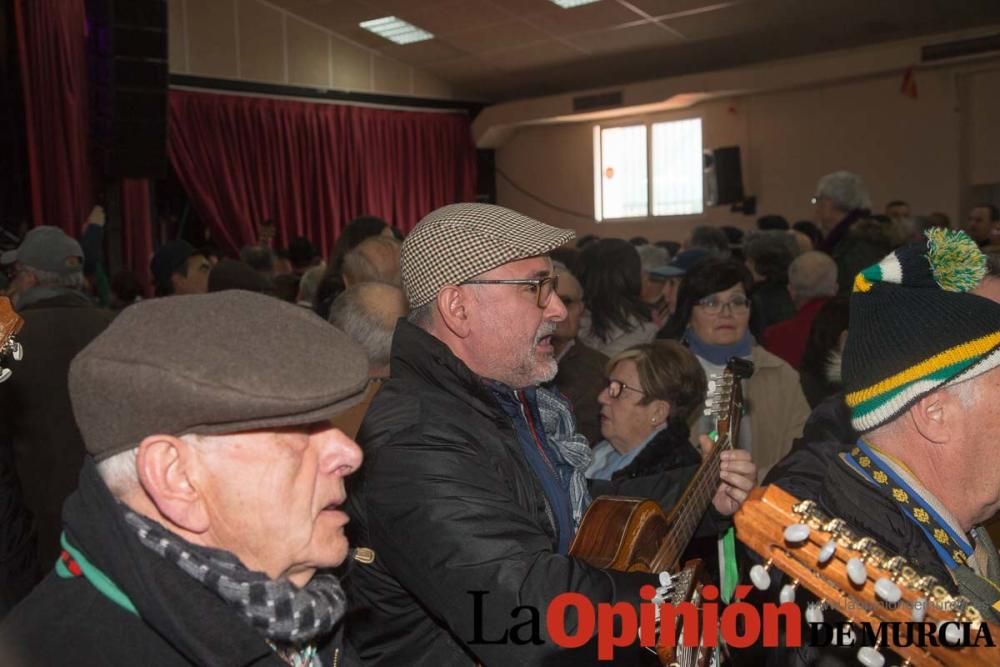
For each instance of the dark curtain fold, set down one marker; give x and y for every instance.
(313, 167)
(137, 229)
(51, 40)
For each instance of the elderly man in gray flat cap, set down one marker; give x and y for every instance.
(207, 513)
(473, 487)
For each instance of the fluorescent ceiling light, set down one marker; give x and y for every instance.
(567, 4)
(396, 30)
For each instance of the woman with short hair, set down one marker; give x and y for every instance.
(653, 389)
(712, 320)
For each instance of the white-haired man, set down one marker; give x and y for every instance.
(922, 380)
(812, 280)
(853, 239)
(207, 515)
(476, 483)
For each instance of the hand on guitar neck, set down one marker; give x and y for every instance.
(737, 474)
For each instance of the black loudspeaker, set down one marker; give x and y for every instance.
(728, 175)
(486, 176)
(128, 77)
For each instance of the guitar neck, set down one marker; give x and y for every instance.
(686, 514)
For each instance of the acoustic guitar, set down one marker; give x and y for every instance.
(636, 535)
(10, 325)
(854, 576)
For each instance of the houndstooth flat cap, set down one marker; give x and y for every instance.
(461, 241)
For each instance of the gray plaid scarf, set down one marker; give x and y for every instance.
(282, 613)
(560, 430)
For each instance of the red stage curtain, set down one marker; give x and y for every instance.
(51, 40)
(313, 167)
(137, 229)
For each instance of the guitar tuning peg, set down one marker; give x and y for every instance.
(666, 581)
(5, 374)
(919, 610)
(953, 633)
(887, 590)
(16, 351)
(870, 657)
(826, 553)
(857, 572)
(759, 576)
(798, 532)
(787, 593)
(814, 612)
(712, 385)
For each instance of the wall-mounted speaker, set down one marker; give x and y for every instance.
(728, 175)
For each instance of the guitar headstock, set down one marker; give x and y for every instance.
(10, 325)
(850, 573)
(724, 401)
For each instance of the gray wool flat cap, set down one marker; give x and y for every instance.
(459, 241)
(211, 364)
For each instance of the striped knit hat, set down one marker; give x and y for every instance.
(915, 329)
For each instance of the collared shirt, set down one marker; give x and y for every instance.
(608, 460)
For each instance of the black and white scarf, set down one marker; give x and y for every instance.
(283, 613)
(560, 431)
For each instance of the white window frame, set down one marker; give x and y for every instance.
(650, 180)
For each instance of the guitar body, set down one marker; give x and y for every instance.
(621, 533)
(625, 534)
(636, 535)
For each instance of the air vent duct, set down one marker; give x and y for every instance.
(960, 48)
(599, 101)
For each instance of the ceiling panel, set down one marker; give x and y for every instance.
(543, 53)
(736, 19)
(657, 8)
(644, 35)
(421, 53)
(504, 35)
(463, 70)
(587, 18)
(519, 48)
(338, 14)
(296, 5)
(461, 16)
(396, 7)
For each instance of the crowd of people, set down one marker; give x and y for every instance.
(178, 472)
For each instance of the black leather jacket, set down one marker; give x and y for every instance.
(449, 505)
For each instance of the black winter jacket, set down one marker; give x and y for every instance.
(181, 622)
(450, 506)
(661, 470)
(815, 469)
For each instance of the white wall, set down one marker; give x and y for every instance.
(928, 151)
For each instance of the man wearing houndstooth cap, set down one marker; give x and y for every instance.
(475, 476)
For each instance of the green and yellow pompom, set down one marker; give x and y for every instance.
(956, 261)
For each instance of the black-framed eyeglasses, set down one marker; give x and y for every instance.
(738, 305)
(544, 288)
(616, 387)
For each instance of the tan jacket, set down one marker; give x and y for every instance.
(778, 408)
